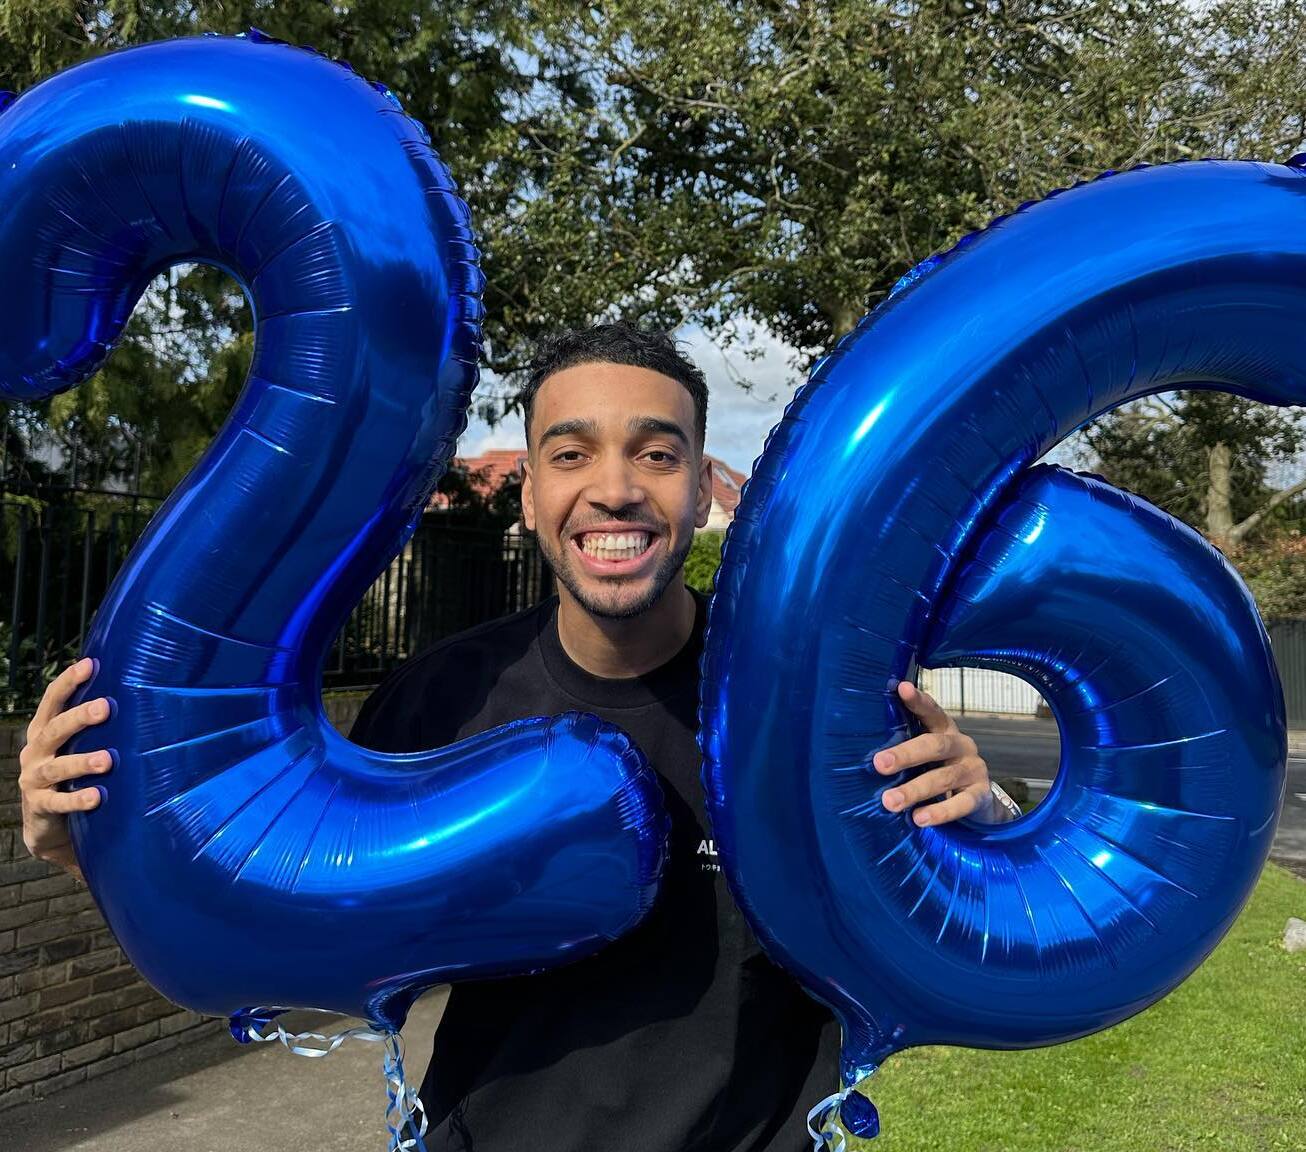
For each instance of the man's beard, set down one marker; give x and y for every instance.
(613, 605)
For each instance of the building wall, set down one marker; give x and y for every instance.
(718, 519)
(71, 1006)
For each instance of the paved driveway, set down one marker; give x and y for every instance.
(219, 1096)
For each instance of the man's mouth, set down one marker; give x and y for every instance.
(615, 552)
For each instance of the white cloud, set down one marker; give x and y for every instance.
(738, 419)
(480, 437)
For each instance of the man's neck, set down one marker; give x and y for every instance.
(622, 649)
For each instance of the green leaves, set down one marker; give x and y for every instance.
(723, 161)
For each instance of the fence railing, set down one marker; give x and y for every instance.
(1288, 642)
(963, 690)
(61, 549)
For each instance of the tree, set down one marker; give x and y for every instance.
(788, 162)
(146, 417)
(1216, 462)
(477, 493)
(1204, 457)
(710, 163)
(703, 560)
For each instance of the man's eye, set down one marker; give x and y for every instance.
(670, 456)
(560, 455)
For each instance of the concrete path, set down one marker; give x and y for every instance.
(219, 1096)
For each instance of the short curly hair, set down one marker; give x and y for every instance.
(616, 343)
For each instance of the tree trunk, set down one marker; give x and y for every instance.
(843, 317)
(1219, 512)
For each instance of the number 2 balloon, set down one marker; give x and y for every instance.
(896, 517)
(245, 854)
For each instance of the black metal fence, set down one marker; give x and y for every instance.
(1288, 641)
(61, 549)
(455, 572)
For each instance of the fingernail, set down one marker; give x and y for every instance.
(884, 759)
(893, 801)
(84, 665)
(922, 818)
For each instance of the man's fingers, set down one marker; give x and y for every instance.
(965, 772)
(72, 767)
(925, 786)
(921, 750)
(925, 706)
(56, 694)
(954, 808)
(50, 801)
(67, 724)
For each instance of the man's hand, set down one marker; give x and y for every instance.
(45, 808)
(963, 775)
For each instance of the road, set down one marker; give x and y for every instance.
(1030, 749)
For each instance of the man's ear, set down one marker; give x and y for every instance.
(703, 505)
(527, 498)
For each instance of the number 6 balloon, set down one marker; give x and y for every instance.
(894, 519)
(245, 854)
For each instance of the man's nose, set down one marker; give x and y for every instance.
(615, 484)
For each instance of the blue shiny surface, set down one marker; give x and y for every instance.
(246, 854)
(859, 1116)
(894, 520)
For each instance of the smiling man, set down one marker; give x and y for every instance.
(682, 1036)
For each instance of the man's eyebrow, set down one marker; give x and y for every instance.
(656, 425)
(583, 426)
(577, 427)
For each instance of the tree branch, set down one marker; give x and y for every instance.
(1240, 531)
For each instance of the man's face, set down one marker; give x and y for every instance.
(614, 483)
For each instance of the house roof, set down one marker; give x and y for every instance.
(495, 467)
(726, 485)
(501, 464)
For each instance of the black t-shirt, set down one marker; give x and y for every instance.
(681, 1036)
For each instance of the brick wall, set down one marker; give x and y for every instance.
(71, 1006)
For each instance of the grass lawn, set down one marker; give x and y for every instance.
(1218, 1063)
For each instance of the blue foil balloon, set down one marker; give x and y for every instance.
(897, 518)
(245, 854)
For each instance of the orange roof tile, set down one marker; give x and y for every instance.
(490, 470)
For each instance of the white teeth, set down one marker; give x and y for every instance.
(614, 545)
